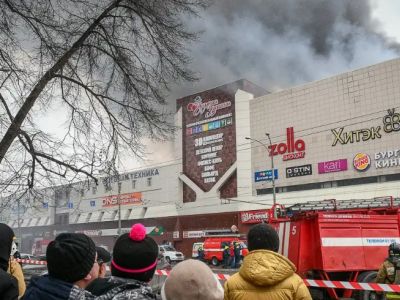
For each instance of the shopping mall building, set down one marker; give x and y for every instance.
(336, 138)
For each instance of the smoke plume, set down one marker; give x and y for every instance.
(281, 43)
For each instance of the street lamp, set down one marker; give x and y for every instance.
(119, 206)
(272, 167)
(273, 171)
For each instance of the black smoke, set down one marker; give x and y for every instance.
(281, 43)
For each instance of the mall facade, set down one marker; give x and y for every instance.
(336, 138)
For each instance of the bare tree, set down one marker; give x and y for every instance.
(106, 63)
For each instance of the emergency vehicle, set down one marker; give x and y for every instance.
(343, 240)
(215, 242)
(39, 246)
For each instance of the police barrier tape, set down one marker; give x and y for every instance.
(31, 261)
(348, 285)
(365, 286)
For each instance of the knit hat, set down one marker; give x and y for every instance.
(103, 256)
(263, 236)
(70, 257)
(192, 279)
(135, 255)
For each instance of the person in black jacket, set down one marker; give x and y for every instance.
(133, 265)
(103, 258)
(8, 283)
(226, 256)
(236, 249)
(71, 264)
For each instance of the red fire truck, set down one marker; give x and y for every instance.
(216, 240)
(338, 240)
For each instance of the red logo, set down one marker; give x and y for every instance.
(210, 108)
(361, 162)
(292, 149)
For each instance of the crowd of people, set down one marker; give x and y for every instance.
(76, 270)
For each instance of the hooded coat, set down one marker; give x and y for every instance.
(8, 283)
(49, 288)
(266, 275)
(116, 288)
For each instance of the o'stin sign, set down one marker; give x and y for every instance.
(361, 162)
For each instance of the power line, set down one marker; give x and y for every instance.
(298, 134)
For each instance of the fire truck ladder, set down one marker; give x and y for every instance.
(333, 204)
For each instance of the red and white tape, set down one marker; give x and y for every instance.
(31, 262)
(348, 285)
(365, 286)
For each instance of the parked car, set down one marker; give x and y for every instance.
(26, 256)
(170, 254)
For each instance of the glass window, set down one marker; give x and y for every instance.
(169, 248)
(149, 181)
(94, 190)
(134, 184)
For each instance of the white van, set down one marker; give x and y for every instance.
(170, 254)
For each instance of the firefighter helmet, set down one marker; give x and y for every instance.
(394, 249)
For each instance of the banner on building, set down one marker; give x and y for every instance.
(193, 234)
(254, 216)
(265, 175)
(151, 230)
(124, 199)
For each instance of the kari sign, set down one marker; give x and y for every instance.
(291, 149)
(254, 216)
(332, 166)
(124, 199)
(265, 175)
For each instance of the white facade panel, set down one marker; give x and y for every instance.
(336, 118)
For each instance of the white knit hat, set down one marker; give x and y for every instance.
(192, 279)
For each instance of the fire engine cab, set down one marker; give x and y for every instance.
(338, 240)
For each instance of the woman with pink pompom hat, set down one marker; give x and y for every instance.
(132, 267)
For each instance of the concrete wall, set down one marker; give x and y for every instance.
(353, 101)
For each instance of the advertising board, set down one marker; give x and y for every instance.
(298, 171)
(265, 175)
(254, 216)
(331, 166)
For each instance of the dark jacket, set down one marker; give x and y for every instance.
(226, 253)
(121, 288)
(237, 250)
(46, 287)
(8, 284)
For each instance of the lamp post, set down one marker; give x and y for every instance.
(272, 167)
(273, 172)
(119, 206)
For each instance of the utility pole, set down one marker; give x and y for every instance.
(119, 206)
(273, 173)
(19, 224)
(272, 167)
